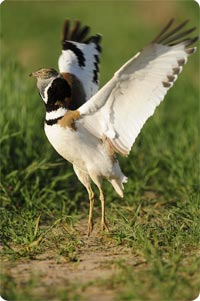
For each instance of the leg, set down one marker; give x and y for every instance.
(85, 180)
(90, 219)
(98, 181)
(103, 221)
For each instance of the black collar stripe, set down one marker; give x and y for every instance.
(53, 121)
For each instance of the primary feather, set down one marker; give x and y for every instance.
(120, 109)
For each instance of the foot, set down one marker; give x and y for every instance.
(104, 226)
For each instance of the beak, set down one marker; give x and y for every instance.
(33, 74)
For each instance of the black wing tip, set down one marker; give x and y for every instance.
(65, 31)
(189, 42)
(79, 34)
(96, 39)
(171, 37)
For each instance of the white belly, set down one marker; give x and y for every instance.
(81, 149)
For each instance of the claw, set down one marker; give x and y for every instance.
(104, 226)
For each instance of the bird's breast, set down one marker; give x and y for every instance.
(76, 146)
(82, 149)
(64, 140)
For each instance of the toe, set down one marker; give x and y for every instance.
(104, 226)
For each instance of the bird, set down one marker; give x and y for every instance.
(91, 127)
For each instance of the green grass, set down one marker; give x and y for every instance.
(159, 216)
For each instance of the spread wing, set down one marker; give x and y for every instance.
(120, 109)
(80, 56)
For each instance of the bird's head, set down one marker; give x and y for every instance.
(44, 77)
(44, 73)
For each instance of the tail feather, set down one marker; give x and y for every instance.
(118, 185)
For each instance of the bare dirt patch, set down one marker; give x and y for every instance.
(96, 261)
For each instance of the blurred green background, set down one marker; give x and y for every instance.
(31, 30)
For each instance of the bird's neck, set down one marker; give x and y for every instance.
(53, 116)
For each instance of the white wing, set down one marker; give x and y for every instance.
(80, 56)
(120, 109)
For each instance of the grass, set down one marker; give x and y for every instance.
(41, 199)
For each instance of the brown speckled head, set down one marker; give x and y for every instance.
(44, 77)
(44, 73)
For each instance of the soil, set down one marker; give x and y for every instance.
(97, 262)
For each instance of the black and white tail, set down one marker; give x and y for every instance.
(80, 56)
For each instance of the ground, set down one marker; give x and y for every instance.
(96, 260)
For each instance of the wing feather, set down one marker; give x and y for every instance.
(120, 109)
(80, 56)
